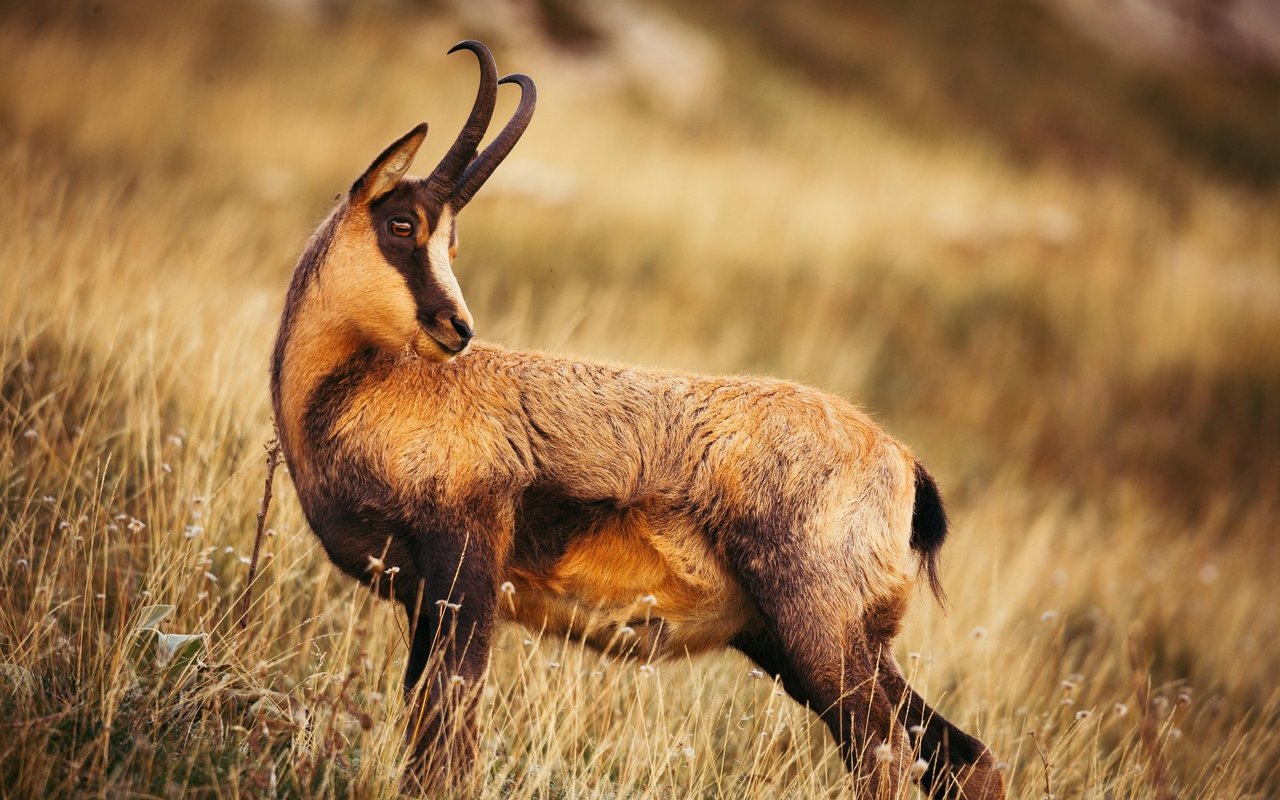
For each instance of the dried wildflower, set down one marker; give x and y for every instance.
(688, 752)
(1120, 709)
(646, 670)
(30, 433)
(1083, 714)
(209, 576)
(136, 525)
(649, 600)
(916, 730)
(456, 680)
(978, 632)
(553, 665)
(884, 753)
(445, 604)
(192, 531)
(508, 588)
(393, 570)
(755, 673)
(1049, 616)
(376, 565)
(626, 631)
(919, 768)
(23, 563)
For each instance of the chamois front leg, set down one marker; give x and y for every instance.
(451, 619)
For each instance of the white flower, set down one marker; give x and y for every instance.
(376, 565)
(508, 588)
(919, 768)
(884, 753)
(649, 600)
(626, 631)
(646, 670)
(755, 672)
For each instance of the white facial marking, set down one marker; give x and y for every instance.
(438, 260)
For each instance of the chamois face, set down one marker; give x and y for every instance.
(399, 266)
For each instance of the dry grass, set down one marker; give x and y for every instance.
(1088, 365)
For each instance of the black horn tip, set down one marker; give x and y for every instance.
(518, 77)
(470, 44)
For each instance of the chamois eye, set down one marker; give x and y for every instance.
(400, 227)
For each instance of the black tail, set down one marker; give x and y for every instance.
(929, 529)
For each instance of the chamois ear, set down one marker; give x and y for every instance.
(387, 169)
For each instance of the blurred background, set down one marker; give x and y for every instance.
(1038, 239)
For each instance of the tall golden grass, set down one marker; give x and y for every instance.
(1086, 362)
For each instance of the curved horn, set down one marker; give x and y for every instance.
(449, 170)
(478, 171)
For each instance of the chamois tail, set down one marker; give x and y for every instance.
(929, 529)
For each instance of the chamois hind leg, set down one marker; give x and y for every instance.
(451, 619)
(960, 766)
(818, 647)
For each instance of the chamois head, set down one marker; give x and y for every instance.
(396, 237)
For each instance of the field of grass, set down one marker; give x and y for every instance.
(1086, 358)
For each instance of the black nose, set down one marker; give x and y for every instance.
(464, 330)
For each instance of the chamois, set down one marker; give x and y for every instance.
(654, 512)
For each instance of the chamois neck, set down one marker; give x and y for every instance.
(312, 342)
(316, 346)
